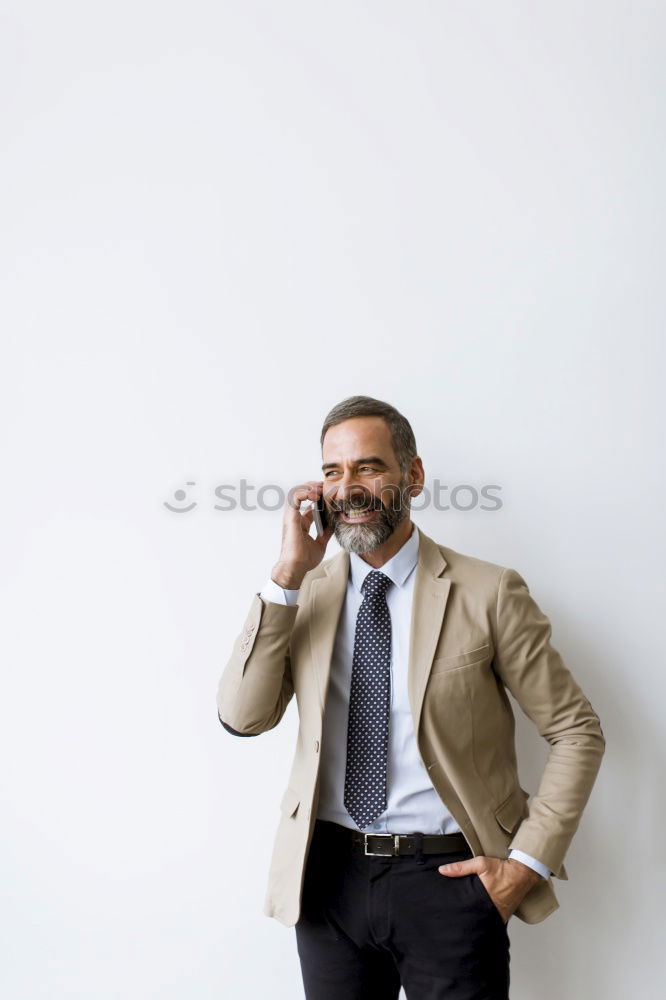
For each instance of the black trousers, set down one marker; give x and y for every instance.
(371, 924)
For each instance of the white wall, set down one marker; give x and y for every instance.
(219, 219)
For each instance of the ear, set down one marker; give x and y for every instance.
(416, 477)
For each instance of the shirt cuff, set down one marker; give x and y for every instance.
(542, 869)
(272, 591)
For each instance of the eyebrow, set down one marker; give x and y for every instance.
(370, 460)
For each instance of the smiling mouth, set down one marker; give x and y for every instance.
(359, 514)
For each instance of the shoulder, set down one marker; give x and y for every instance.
(497, 583)
(480, 582)
(468, 568)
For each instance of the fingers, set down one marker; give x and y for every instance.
(469, 867)
(310, 490)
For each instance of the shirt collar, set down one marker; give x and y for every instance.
(397, 568)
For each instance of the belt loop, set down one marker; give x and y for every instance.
(418, 839)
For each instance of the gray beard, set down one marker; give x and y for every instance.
(362, 538)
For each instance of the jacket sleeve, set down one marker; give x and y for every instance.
(545, 689)
(256, 685)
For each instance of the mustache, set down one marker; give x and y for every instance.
(343, 508)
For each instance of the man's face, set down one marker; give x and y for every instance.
(361, 474)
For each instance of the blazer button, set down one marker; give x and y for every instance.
(316, 746)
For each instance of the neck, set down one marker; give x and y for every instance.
(388, 549)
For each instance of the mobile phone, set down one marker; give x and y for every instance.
(319, 515)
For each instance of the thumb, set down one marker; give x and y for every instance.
(468, 867)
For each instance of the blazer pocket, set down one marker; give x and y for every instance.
(512, 811)
(290, 802)
(477, 655)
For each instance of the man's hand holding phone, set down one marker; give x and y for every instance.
(300, 551)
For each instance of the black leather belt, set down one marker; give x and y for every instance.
(394, 844)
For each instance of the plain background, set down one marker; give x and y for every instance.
(218, 220)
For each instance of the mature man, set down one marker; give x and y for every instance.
(400, 651)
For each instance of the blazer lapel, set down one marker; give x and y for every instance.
(327, 597)
(431, 593)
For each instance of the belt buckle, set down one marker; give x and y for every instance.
(395, 846)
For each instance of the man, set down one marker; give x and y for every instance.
(405, 842)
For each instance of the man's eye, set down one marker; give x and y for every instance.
(333, 472)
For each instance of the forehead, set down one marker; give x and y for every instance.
(356, 437)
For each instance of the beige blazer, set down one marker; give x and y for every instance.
(475, 632)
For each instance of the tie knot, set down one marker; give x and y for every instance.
(376, 584)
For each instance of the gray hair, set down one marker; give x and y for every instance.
(404, 442)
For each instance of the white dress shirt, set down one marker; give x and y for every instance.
(412, 801)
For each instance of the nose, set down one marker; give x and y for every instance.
(349, 492)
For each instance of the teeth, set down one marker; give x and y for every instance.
(356, 512)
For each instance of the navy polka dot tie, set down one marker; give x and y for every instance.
(369, 704)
